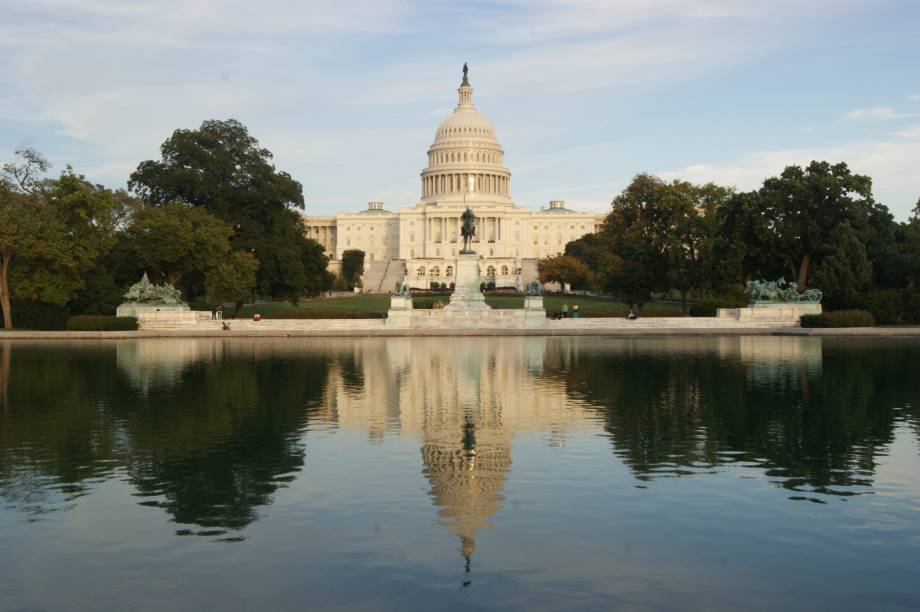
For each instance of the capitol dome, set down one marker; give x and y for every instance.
(465, 162)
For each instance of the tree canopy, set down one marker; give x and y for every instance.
(221, 168)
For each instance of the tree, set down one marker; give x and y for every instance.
(232, 279)
(589, 249)
(564, 269)
(352, 267)
(791, 220)
(633, 265)
(174, 239)
(28, 229)
(684, 235)
(845, 270)
(221, 168)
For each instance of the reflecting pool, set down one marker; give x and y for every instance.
(718, 473)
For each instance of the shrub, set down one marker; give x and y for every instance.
(101, 323)
(848, 318)
(320, 314)
(201, 305)
(812, 320)
(33, 314)
(702, 310)
(886, 305)
(709, 308)
(452, 286)
(839, 318)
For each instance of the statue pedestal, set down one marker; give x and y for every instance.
(467, 295)
(534, 313)
(400, 313)
(789, 313)
(133, 309)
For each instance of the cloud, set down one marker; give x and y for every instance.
(878, 113)
(911, 132)
(914, 97)
(890, 163)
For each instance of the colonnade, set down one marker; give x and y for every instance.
(323, 234)
(461, 182)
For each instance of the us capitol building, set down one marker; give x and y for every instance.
(419, 244)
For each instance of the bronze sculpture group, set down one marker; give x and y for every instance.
(780, 291)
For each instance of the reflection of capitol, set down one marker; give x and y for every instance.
(465, 398)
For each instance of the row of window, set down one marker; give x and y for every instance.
(435, 271)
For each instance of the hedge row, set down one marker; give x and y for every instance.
(101, 323)
(320, 314)
(29, 314)
(839, 318)
(709, 308)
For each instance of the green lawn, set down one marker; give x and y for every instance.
(377, 305)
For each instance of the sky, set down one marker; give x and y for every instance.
(583, 94)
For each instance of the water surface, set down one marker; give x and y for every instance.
(460, 473)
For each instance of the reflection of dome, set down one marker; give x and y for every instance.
(465, 157)
(467, 478)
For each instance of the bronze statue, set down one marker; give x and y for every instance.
(467, 230)
(465, 71)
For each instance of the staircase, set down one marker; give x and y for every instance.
(382, 276)
(396, 273)
(529, 272)
(374, 276)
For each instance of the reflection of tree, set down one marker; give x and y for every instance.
(220, 443)
(56, 424)
(213, 444)
(669, 412)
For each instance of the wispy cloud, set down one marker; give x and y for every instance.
(347, 94)
(890, 163)
(911, 132)
(878, 113)
(914, 97)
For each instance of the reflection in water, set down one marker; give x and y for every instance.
(209, 430)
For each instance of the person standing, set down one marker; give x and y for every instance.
(564, 310)
(575, 311)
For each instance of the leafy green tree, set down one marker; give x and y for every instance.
(64, 226)
(316, 277)
(174, 239)
(221, 168)
(789, 223)
(232, 279)
(845, 270)
(28, 231)
(589, 249)
(633, 266)
(564, 269)
(352, 267)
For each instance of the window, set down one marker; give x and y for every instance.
(504, 270)
(490, 271)
(420, 271)
(436, 271)
(449, 271)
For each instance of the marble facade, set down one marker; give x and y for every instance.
(422, 242)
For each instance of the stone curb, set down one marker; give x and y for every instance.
(881, 332)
